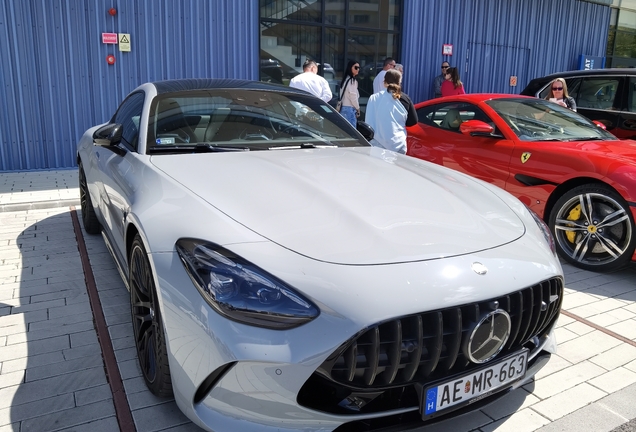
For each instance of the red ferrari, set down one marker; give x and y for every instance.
(578, 177)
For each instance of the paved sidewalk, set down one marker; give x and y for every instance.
(52, 373)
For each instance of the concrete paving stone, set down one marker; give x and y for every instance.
(525, 420)
(568, 401)
(80, 299)
(126, 354)
(13, 427)
(119, 331)
(612, 317)
(81, 351)
(129, 369)
(591, 418)
(113, 290)
(34, 373)
(563, 334)
(579, 328)
(577, 299)
(11, 378)
(38, 306)
(622, 402)
(512, 402)
(120, 318)
(3, 341)
(52, 331)
(46, 288)
(64, 276)
(625, 328)
(14, 302)
(67, 310)
(70, 418)
(127, 342)
(566, 379)
(16, 351)
(36, 409)
(464, 422)
(596, 308)
(134, 385)
(108, 424)
(615, 357)
(65, 320)
(631, 366)
(145, 399)
(158, 417)
(93, 394)
(8, 330)
(631, 307)
(121, 299)
(88, 337)
(21, 364)
(587, 346)
(5, 310)
(614, 380)
(189, 427)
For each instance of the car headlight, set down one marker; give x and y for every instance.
(241, 291)
(545, 230)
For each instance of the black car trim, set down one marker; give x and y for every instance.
(532, 181)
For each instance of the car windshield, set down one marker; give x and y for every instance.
(239, 119)
(542, 120)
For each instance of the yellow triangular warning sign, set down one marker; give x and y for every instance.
(124, 39)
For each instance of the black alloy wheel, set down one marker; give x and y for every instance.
(89, 218)
(593, 228)
(147, 324)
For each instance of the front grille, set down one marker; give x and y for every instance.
(428, 346)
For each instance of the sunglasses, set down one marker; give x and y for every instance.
(557, 88)
(445, 67)
(356, 67)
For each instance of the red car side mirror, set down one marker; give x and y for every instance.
(476, 127)
(599, 124)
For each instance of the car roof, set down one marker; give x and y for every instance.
(472, 97)
(179, 85)
(535, 84)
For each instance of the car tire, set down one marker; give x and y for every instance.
(148, 329)
(89, 218)
(593, 228)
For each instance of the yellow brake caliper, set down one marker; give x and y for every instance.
(575, 214)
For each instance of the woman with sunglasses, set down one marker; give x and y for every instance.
(349, 96)
(559, 93)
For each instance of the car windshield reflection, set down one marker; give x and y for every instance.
(257, 120)
(541, 120)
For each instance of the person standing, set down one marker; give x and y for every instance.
(311, 82)
(389, 112)
(349, 95)
(439, 79)
(378, 82)
(559, 94)
(452, 85)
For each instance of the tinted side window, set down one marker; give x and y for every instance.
(128, 115)
(573, 87)
(597, 92)
(631, 95)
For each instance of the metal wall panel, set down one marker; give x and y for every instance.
(496, 39)
(54, 79)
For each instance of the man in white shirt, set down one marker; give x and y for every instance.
(378, 82)
(311, 82)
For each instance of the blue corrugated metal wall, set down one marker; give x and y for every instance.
(54, 79)
(494, 40)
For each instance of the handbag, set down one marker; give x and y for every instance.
(339, 104)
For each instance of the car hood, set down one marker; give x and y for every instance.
(355, 206)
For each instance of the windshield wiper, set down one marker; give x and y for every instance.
(197, 148)
(303, 146)
(585, 139)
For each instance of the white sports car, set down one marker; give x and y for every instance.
(285, 275)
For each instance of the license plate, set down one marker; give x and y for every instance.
(475, 385)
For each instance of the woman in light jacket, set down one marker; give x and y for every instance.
(389, 112)
(349, 95)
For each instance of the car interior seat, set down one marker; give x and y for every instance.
(452, 120)
(173, 122)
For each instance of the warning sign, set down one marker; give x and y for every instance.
(124, 42)
(513, 80)
(109, 38)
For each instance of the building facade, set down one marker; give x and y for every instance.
(68, 63)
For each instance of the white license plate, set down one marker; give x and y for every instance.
(470, 387)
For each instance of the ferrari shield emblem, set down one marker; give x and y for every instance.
(525, 156)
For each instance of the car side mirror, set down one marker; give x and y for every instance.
(600, 124)
(108, 135)
(478, 128)
(366, 130)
